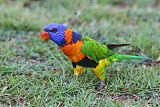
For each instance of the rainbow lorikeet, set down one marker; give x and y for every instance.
(84, 51)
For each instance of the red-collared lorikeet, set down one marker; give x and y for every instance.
(84, 51)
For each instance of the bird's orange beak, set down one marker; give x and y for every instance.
(45, 36)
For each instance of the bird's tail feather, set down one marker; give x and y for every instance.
(119, 57)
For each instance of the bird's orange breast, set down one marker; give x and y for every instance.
(74, 51)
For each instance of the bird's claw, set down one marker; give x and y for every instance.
(101, 85)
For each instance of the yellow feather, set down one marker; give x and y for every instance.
(107, 61)
(114, 60)
(78, 70)
(100, 69)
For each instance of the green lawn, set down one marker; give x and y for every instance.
(33, 73)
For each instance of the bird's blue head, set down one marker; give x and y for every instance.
(60, 34)
(55, 32)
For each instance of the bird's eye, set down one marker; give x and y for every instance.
(54, 30)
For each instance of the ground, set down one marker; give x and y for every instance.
(34, 73)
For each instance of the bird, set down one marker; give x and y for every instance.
(83, 51)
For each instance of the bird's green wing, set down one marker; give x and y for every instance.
(95, 50)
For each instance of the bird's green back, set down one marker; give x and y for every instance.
(95, 50)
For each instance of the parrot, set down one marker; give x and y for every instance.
(83, 51)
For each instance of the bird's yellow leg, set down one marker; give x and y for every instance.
(100, 70)
(100, 73)
(78, 70)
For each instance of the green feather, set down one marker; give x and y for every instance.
(119, 57)
(95, 50)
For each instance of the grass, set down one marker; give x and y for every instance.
(36, 74)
